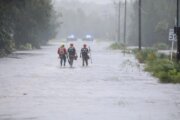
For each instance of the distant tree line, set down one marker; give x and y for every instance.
(158, 16)
(86, 18)
(25, 22)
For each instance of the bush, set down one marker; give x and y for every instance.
(2, 53)
(144, 55)
(164, 77)
(27, 46)
(6, 47)
(171, 76)
(161, 46)
(177, 78)
(162, 56)
(117, 46)
(165, 70)
(151, 56)
(159, 65)
(140, 57)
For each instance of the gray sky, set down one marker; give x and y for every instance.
(96, 1)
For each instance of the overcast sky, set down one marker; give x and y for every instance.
(96, 1)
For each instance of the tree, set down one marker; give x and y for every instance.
(26, 22)
(157, 17)
(6, 42)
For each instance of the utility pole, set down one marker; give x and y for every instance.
(119, 20)
(125, 11)
(178, 33)
(140, 25)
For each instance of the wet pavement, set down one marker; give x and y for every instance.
(33, 86)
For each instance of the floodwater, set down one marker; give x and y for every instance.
(33, 86)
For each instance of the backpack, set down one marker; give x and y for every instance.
(84, 52)
(61, 51)
(71, 51)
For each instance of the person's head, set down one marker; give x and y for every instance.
(84, 45)
(71, 45)
(62, 46)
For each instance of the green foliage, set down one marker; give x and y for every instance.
(25, 24)
(146, 54)
(159, 65)
(157, 17)
(6, 42)
(162, 56)
(116, 46)
(27, 46)
(165, 70)
(2, 53)
(161, 46)
(171, 76)
(162, 26)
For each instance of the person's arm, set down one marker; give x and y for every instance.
(65, 51)
(81, 53)
(89, 50)
(58, 51)
(75, 52)
(68, 52)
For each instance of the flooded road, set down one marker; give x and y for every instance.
(33, 86)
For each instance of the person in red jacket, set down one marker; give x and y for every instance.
(62, 55)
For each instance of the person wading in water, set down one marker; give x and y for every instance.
(71, 54)
(62, 55)
(84, 55)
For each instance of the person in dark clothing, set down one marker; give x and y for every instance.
(84, 55)
(62, 55)
(71, 54)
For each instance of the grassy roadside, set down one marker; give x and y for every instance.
(7, 51)
(117, 46)
(159, 65)
(156, 63)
